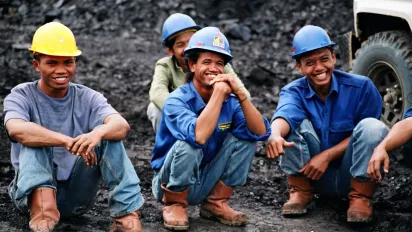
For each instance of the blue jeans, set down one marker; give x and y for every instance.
(181, 169)
(77, 195)
(354, 163)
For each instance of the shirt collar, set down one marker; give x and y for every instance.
(334, 87)
(199, 104)
(177, 64)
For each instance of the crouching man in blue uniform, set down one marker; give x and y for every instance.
(207, 137)
(328, 123)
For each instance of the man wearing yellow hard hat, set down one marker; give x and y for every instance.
(66, 141)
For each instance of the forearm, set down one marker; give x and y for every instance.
(400, 134)
(253, 118)
(280, 127)
(34, 135)
(338, 150)
(206, 122)
(115, 127)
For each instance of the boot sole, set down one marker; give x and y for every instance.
(170, 227)
(208, 215)
(309, 207)
(361, 220)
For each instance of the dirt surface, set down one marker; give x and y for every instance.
(120, 41)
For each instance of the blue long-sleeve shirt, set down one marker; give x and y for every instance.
(179, 115)
(351, 98)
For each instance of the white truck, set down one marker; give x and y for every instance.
(381, 48)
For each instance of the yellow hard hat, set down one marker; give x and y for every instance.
(54, 39)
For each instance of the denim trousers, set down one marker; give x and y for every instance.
(76, 195)
(336, 180)
(155, 115)
(182, 170)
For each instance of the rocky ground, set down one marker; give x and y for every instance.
(120, 40)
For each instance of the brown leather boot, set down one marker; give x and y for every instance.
(127, 223)
(216, 206)
(44, 215)
(300, 196)
(174, 211)
(360, 201)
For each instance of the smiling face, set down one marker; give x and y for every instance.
(181, 42)
(56, 73)
(318, 66)
(208, 65)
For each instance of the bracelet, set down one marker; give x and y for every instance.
(240, 102)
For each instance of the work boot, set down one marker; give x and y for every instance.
(127, 223)
(174, 211)
(216, 206)
(44, 215)
(300, 196)
(360, 201)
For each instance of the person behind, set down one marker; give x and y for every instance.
(66, 141)
(170, 71)
(325, 128)
(207, 137)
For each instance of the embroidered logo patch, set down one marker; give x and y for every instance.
(224, 126)
(218, 41)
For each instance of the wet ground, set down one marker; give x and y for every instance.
(120, 41)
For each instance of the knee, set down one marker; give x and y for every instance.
(371, 129)
(184, 150)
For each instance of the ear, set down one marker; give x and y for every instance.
(36, 65)
(192, 65)
(169, 51)
(299, 67)
(334, 57)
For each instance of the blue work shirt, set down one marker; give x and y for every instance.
(351, 98)
(179, 115)
(408, 113)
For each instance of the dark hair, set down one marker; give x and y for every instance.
(37, 56)
(170, 42)
(192, 55)
(299, 57)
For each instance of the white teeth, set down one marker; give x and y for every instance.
(61, 79)
(212, 76)
(323, 75)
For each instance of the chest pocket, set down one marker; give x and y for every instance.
(340, 131)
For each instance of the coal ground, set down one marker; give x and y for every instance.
(120, 41)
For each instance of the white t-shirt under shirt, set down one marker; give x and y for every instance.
(79, 112)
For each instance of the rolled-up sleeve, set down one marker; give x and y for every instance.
(241, 131)
(290, 108)
(180, 121)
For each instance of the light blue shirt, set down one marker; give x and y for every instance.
(79, 112)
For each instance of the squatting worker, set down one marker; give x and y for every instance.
(325, 128)
(66, 141)
(207, 137)
(170, 71)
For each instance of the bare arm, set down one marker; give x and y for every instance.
(34, 135)
(276, 142)
(253, 118)
(317, 166)
(206, 123)
(400, 133)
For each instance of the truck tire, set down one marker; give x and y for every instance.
(386, 58)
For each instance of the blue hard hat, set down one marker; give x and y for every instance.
(210, 39)
(176, 23)
(310, 38)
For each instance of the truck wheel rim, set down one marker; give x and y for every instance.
(388, 83)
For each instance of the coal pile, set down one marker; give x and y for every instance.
(120, 40)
